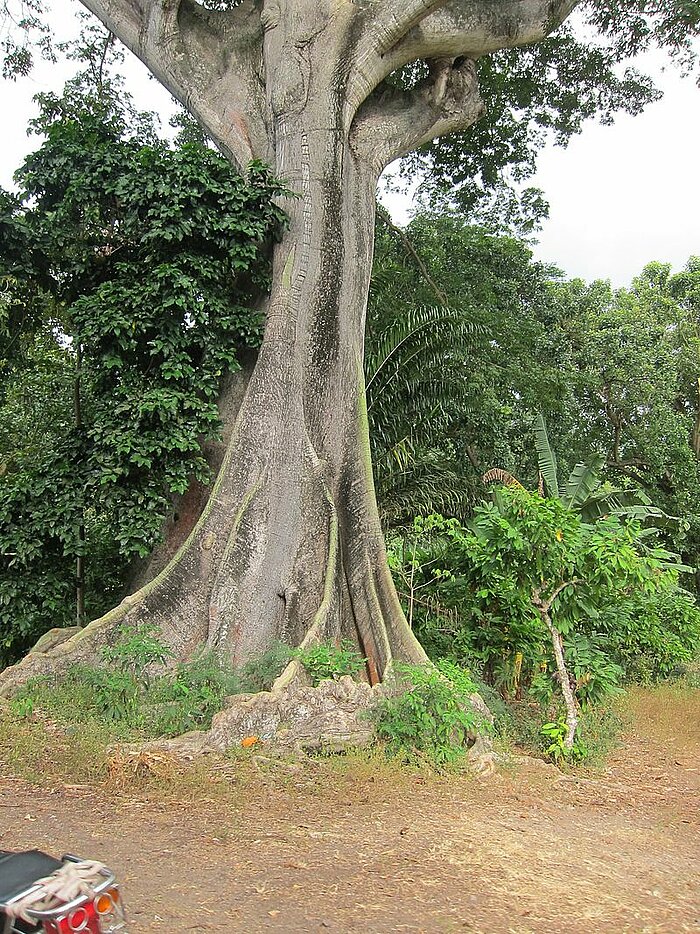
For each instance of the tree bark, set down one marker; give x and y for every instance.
(290, 543)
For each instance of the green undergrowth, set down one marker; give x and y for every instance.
(326, 661)
(527, 726)
(39, 751)
(518, 724)
(138, 693)
(430, 718)
(130, 695)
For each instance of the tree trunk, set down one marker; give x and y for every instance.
(544, 608)
(290, 542)
(563, 674)
(289, 546)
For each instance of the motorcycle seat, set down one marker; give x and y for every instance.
(19, 871)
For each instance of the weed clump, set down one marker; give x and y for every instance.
(131, 694)
(433, 718)
(324, 661)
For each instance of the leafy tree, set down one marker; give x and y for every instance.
(132, 269)
(529, 583)
(464, 380)
(632, 358)
(317, 90)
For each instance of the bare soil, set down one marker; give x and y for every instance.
(362, 846)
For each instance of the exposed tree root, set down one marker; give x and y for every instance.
(58, 649)
(296, 719)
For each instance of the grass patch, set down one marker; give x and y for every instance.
(42, 752)
(669, 713)
(47, 753)
(122, 698)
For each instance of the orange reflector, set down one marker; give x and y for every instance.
(106, 902)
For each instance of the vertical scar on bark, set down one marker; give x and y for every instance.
(218, 625)
(287, 271)
(369, 651)
(331, 565)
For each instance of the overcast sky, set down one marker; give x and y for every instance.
(620, 196)
(624, 195)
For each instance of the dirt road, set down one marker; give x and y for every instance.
(363, 848)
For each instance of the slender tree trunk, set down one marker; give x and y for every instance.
(567, 693)
(544, 607)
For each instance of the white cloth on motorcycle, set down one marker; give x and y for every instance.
(67, 882)
(19, 871)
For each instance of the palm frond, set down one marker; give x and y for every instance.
(428, 483)
(424, 329)
(497, 475)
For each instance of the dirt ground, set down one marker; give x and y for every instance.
(370, 848)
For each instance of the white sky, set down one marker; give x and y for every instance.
(623, 195)
(620, 196)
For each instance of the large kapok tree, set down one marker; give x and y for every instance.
(289, 545)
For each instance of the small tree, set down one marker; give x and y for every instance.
(529, 569)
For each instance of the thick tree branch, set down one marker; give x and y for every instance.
(393, 122)
(628, 471)
(208, 60)
(468, 28)
(125, 18)
(394, 19)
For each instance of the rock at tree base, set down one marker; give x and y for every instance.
(298, 719)
(333, 716)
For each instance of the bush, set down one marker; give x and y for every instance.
(652, 635)
(433, 718)
(476, 595)
(323, 662)
(188, 698)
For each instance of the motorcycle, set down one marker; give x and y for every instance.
(39, 893)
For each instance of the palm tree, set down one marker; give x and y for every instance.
(415, 372)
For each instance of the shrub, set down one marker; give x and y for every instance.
(433, 718)
(652, 635)
(476, 595)
(260, 673)
(188, 698)
(324, 661)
